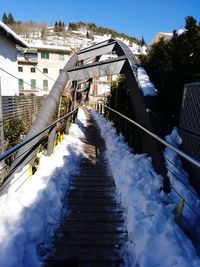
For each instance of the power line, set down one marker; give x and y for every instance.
(35, 66)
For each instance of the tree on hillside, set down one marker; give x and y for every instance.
(56, 26)
(11, 20)
(171, 64)
(5, 18)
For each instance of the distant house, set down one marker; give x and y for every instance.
(40, 65)
(8, 60)
(165, 35)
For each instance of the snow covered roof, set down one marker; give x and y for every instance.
(50, 47)
(11, 35)
(165, 35)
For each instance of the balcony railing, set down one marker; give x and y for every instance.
(28, 58)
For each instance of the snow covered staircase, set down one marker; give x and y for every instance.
(94, 232)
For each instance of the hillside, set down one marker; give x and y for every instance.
(74, 35)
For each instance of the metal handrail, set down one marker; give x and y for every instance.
(14, 149)
(162, 141)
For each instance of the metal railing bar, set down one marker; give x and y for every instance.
(162, 141)
(23, 143)
(198, 215)
(21, 160)
(25, 179)
(24, 171)
(194, 193)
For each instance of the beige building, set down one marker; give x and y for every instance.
(165, 35)
(39, 67)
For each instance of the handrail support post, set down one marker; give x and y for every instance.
(51, 140)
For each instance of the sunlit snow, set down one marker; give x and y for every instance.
(154, 237)
(32, 211)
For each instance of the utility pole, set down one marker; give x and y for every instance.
(1, 124)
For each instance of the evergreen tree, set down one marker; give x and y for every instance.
(143, 41)
(10, 19)
(5, 18)
(56, 26)
(59, 26)
(87, 35)
(171, 64)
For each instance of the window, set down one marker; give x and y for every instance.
(45, 55)
(21, 84)
(20, 69)
(45, 84)
(61, 57)
(33, 70)
(45, 70)
(33, 84)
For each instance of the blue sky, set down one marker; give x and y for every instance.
(134, 17)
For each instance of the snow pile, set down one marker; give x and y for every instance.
(180, 183)
(181, 31)
(147, 87)
(30, 214)
(154, 238)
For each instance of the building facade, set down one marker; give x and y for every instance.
(39, 67)
(8, 60)
(8, 69)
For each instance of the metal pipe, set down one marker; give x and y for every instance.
(162, 141)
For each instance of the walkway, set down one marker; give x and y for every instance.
(93, 233)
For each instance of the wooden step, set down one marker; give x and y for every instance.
(95, 253)
(95, 208)
(92, 194)
(91, 227)
(95, 183)
(88, 201)
(95, 217)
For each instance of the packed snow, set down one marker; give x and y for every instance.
(154, 237)
(147, 87)
(33, 208)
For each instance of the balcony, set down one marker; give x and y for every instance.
(27, 58)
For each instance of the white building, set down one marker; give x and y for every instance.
(8, 60)
(39, 67)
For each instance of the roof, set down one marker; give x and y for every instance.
(164, 35)
(50, 47)
(11, 35)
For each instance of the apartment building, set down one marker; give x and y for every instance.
(8, 60)
(39, 67)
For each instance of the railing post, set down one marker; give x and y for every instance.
(67, 125)
(103, 108)
(51, 141)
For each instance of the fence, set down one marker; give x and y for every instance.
(22, 107)
(18, 107)
(190, 128)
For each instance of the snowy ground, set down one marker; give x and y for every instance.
(32, 211)
(154, 237)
